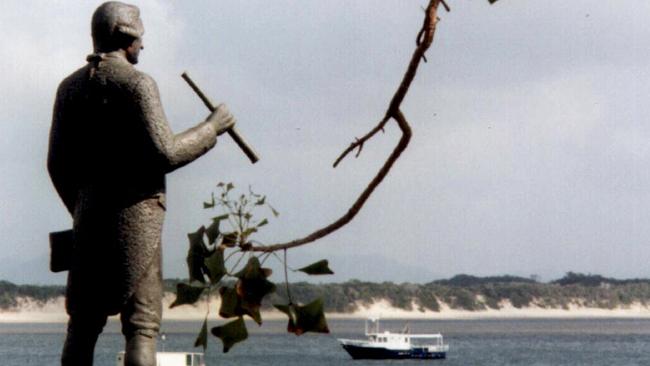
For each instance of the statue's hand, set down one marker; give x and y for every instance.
(221, 119)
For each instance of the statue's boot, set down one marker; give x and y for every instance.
(140, 351)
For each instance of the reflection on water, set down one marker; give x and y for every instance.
(472, 342)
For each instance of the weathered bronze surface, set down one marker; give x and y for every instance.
(110, 148)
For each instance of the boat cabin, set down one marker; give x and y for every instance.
(404, 340)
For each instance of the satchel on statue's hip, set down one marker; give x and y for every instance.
(61, 250)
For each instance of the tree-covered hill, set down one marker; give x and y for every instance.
(459, 292)
(9, 293)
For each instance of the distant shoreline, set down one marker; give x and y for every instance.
(460, 297)
(53, 311)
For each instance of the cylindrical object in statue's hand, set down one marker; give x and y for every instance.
(246, 148)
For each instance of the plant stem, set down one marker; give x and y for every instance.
(286, 278)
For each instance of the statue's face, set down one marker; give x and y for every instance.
(133, 51)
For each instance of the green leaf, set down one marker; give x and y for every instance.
(212, 232)
(252, 287)
(253, 311)
(307, 318)
(186, 294)
(231, 333)
(260, 201)
(248, 232)
(220, 217)
(492, 1)
(209, 204)
(196, 255)
(253, 270)
(229, 186)
(263, 222)
(275, 213)
(290, 310)
(317, 268)
(220, 184)
(230, 239)
(251, 308)
(230, 307)
(202, 338)
(215, 265)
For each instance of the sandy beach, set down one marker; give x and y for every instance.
(29, 311)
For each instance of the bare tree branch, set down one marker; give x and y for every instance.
(423, 41)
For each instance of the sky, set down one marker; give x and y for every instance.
(530, 154)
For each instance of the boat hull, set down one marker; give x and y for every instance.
(378, 353)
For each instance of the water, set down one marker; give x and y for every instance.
(472, 342)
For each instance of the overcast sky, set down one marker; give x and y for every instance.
(531, 147)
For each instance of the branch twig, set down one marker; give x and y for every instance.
(423, 41)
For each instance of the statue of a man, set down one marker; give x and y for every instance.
(110, 148)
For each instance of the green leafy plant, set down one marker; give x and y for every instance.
(214, 262)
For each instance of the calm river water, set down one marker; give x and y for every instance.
(472, 342)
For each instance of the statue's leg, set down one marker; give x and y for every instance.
(79, 346)
(141, 317)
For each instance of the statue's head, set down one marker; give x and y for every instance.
(115, 26)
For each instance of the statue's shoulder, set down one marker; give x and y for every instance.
(74, 81)
(142, 80)
(143, 86)
(119, 72)
(130, 79)
(117, 77)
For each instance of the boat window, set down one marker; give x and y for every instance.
(188, 360)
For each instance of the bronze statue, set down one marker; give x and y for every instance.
(110, 148)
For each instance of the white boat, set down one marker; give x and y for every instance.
(172, 359)
(387, 345)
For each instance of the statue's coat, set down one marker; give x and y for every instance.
(110, 148)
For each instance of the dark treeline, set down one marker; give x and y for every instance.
(459, 292)
(9, 293)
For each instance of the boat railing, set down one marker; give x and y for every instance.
(353, 342)
(424, 336)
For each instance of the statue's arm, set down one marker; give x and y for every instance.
(59, 157)
(173, 150)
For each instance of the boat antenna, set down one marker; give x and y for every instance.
(163, 338)
(406, 329)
